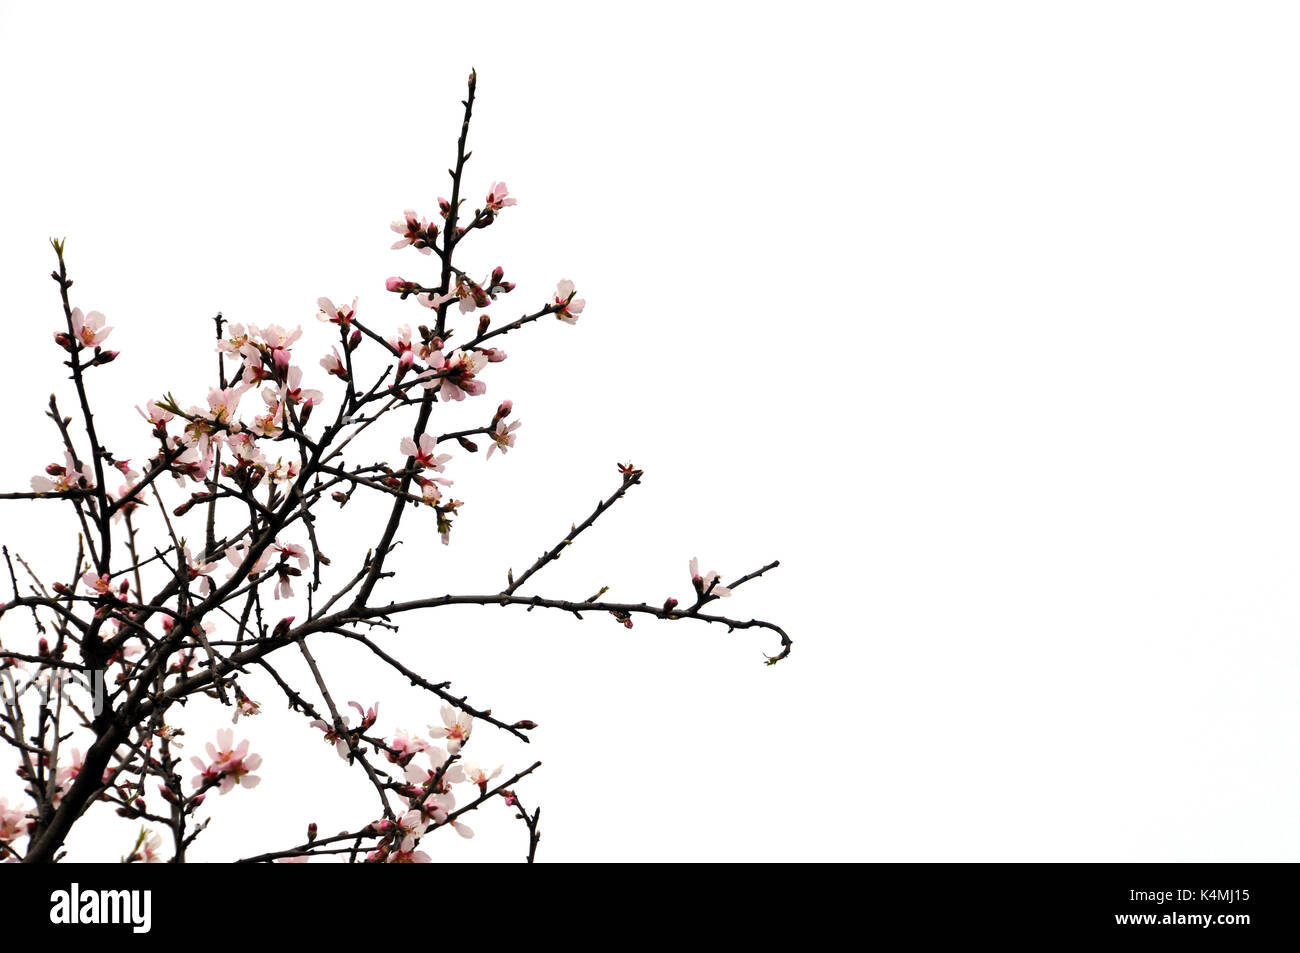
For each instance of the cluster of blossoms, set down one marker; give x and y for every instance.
(431, 772)
(228, 764)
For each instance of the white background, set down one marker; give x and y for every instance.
(979, 317)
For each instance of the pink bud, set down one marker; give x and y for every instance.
(396, 284)
(404, 364)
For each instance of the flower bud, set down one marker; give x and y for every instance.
(395, 283)
(280, 357)
(311, 832)
(282, 627)
(354, 341)
(469, 445)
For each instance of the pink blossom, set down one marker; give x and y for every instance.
(291, 391)
(421, 777)
(126, 506)
(276, 337)
(342, 316)
(503, 437)
(147, 848)
(246, 707)
(289, 551)
(405, 350)
(457, 375)
(89, 329)
(64, 777)
(423, 452)
(222, 404)
(476, 775)
(156, 415)
(237, 339)
(67, 476)
(431, 300)
(339, 739)
(456, 726)
(702, 583)
(229, 764)
(268, 424)
(103, 585)
(238, 553)
(408, 857)
(13, 822)
(564, 300)
(199, 570)
(403, 745)
(498, 197)
(282, 471)
(368, 715)
(195, 462)
(414, 231)
(333, 364)
(430, 491)
(471, 295)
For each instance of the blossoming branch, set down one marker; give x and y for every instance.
(183, 557)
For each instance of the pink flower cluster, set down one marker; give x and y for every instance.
(228, 765)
